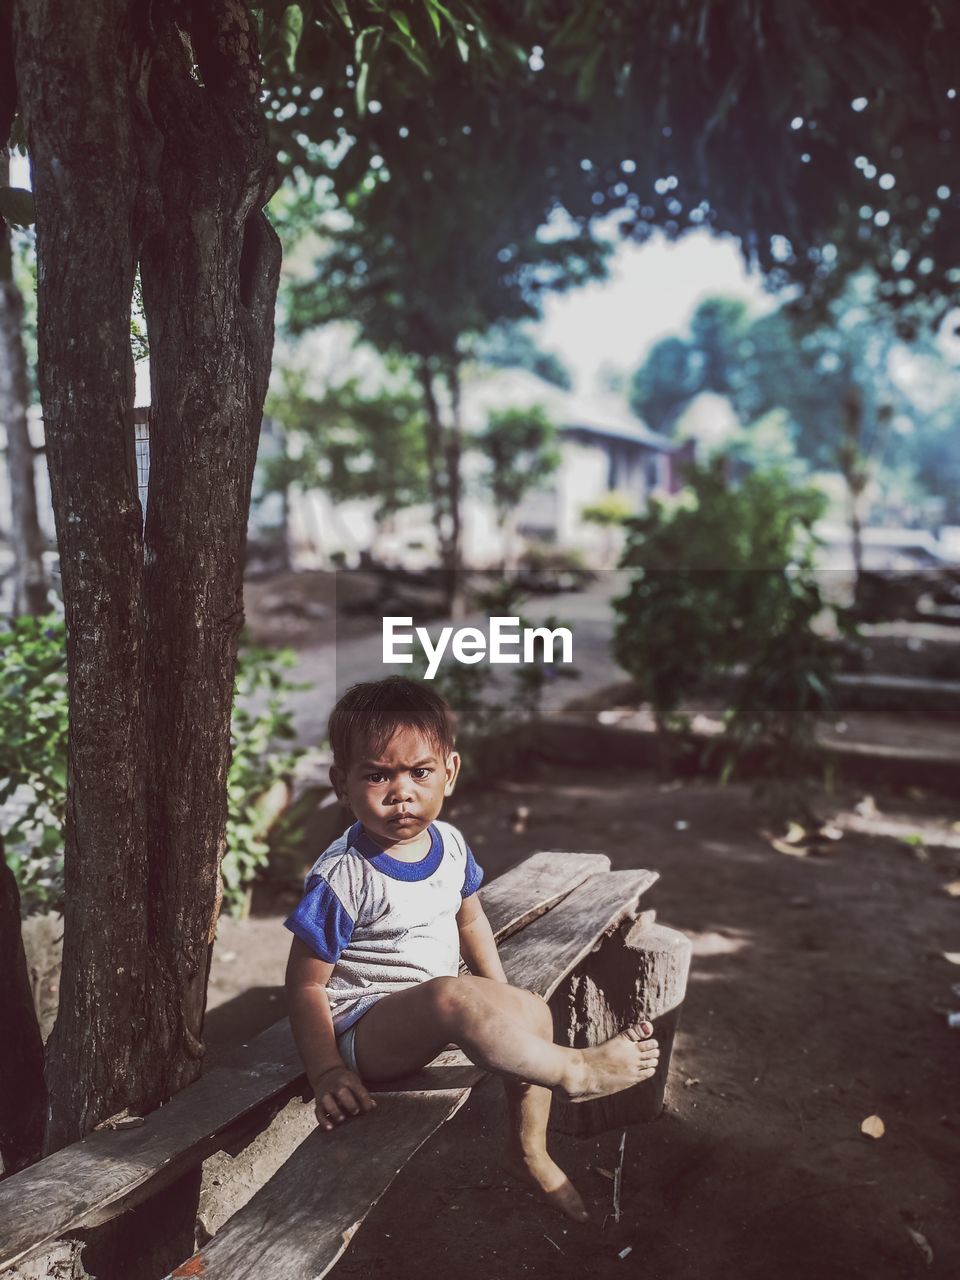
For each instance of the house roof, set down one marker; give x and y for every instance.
(604, 416)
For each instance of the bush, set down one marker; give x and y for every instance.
(33, 755)
(723, 580)
(33, 760)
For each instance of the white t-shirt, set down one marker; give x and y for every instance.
(384, 924)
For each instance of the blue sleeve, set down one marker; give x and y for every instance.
(473, 875)
(322, 922)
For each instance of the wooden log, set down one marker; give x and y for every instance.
(639, 971)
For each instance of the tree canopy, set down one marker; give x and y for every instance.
(821, 135)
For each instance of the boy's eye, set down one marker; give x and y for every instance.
(421, 771)
(376, 777)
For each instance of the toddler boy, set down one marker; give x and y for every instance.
(390, 907)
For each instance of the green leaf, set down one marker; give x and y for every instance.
(290, 33)
(343, 13)
(400, 19)
(412, 50)
(433, 13)
(365, 50)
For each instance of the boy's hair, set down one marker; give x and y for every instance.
(372, 712)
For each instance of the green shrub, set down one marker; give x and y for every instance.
(33, 759)
(257, 762)
(33, 754)
(723, 580)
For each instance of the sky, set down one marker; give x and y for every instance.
(651, 292)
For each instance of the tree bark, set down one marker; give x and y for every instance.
(22, 1095)
(454, 457)
(142, 153)
(443, 469)
(639, 972)
(30, 579)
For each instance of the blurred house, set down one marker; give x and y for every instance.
(603, 448)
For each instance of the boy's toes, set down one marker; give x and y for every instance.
(639, 1031)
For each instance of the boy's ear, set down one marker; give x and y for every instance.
(453, 769)
(338, 781)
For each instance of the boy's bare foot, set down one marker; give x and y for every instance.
(550, 1180)
(616, 1064)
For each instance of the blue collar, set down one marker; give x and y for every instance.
(359, 840)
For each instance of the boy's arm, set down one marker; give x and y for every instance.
(338, 1090)
(477, 944)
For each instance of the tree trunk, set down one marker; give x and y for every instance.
(30, 579)
(183, 169)
(853, 467)
(454, 456)
(22, 1095)
(639, 972)
(444, 494)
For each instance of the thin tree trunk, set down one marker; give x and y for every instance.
(454, 456)
(182, 171)
(853, 467)
(435, 456)
(30, 579)
(22, 1094)
(444, 500)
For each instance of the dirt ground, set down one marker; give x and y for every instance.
(818, 997)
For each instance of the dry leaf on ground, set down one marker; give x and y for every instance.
(923, 1244)
(952, 887)
(794, 850)
(873, 1127)
(952, 956)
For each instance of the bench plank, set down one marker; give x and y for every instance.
(281, 1225)
(534, 886)
(91, 1181)
(299, 1223)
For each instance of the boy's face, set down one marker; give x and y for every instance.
(397, 793)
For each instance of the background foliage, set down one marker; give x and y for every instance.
(33, 759)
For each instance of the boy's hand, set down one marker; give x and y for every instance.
(340, 1093)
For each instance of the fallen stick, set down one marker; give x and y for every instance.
(618, 1179)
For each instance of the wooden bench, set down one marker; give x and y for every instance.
(568, 928)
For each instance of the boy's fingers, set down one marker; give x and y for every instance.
(366, 1102)
(331, 1107)
(346, 1098)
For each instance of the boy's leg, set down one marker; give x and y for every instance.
(505, 1029)
(494, 1025)
(528, 1107)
